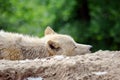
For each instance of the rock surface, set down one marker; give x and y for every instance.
(102, 65)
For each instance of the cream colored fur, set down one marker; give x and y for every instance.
(16, 46)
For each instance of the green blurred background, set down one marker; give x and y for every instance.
(94, 22)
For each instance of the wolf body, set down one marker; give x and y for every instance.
(14, 46)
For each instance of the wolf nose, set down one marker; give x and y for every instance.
(90, 47)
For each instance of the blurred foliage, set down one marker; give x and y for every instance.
(93, 22)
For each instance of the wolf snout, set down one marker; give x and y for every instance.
(90, 47)
(87, 47)
(84, 46)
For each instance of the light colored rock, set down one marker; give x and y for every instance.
(101, 65)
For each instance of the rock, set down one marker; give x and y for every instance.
(101, 65)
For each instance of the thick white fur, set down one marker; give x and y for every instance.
(16, 46)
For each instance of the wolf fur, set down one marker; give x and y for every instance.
(14, 46)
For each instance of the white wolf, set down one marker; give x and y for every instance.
(15, 46)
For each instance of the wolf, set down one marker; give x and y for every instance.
(14, 46)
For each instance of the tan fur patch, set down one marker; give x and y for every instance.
(12, 53)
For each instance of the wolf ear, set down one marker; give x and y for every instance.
(53, 45)
(49, 30)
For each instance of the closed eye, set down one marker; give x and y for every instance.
(74, 47)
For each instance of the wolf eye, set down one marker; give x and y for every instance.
(74, 47)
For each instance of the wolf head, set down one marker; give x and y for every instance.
(59, 44)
